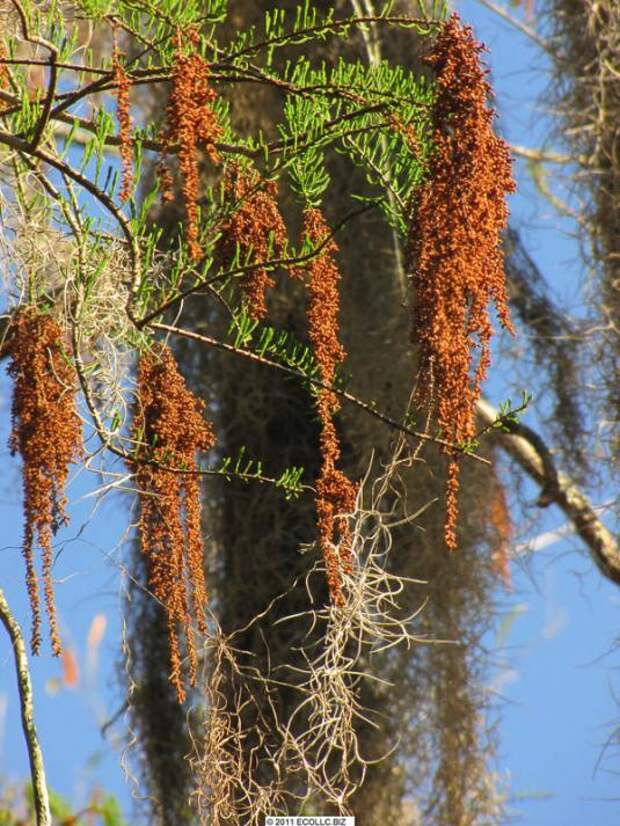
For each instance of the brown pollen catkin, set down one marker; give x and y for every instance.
(169, 429)
(256, 229)
(191, 123)
(123, 85)
(47, 433)
(335, 493)
(454, 248)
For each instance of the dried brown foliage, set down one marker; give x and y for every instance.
(170, 429)
(457, 265)
(4, 69)
(256, 229)
(335, 492)
(407, 130)
(501, 523)
(191, 123)
(47, 434)
(123, 85)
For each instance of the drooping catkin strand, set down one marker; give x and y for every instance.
(336, 494)
(47, 434)
(123, 85)
(501, 524)
(455, 257)
(169, 429)
(255, 230)
(4, 70)
(191, 123)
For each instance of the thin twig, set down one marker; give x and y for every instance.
(336, 24)
(530, 452)
(272, 264)
(517, 24)
(24, 687)
(37, 40)
(343, 394)
(544, 156)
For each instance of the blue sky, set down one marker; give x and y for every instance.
(556, 661)
(558, 685)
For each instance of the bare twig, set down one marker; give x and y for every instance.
(368, 408)
(334, 25)
(24, 687)
(530, 452)
(37, 40)
(518, 24)
(544, 156)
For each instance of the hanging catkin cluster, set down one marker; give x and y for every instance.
(123, 85)
(456, 261)
(335, 493)
(256, 229)
(191, 123)
(169, 429)
(47, 434)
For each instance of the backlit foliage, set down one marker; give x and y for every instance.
(169, 429)
(47, 434)
(383, 119)
(457, 264)
(422, 163)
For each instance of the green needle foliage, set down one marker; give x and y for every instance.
(243, 123)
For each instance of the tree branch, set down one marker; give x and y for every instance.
(530, 452)
(544, 156)
(24, 687)
(343, 394)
